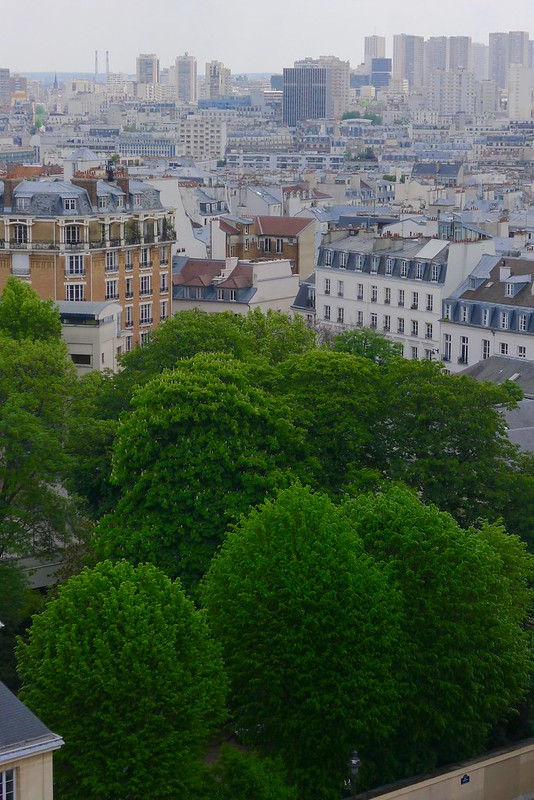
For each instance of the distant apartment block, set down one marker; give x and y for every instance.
(186, 79)
(307, 93)
(147, 68)
(409, 59)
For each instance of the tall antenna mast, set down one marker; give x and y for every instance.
(96, 65)
(107, 63)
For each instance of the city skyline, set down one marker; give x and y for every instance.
(258, 37)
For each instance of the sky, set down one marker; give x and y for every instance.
(247, 35)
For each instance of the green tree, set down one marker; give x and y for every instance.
(17, 603)
(367, 343)
(36, 385)
(199, 447)
(121, 665)
(23, 315)
(308, 625)
(465, 657)
(240, 775)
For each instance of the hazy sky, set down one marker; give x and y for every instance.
(247, 35)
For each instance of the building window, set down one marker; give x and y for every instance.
(521, 351)
(145, 257)
(279, 245)
(342, 259)
(485, 348)
(404, 269)
(327, 257)
(447, 347)
(111, 261)
(419, 268)
(400, 325)
(145, 312)
(374, 320)
(327, 286)
(389, 266)
(145, 285)
(359, 262)
(503, 349)
(220, 294)
(435, 272)
(447, 311)
(102, 203)
(128, 260)
(326, 313)
(415, 327)
(359, 296)
(415, 299)
(387, 295)
(341, 315)
(128, 343)
(120, 201)
(428, 330)
(163, 283)
(136, 200)
(359, 318)
(163, 309)
(128, 288)
(112, 289)
(75, 291)
(7, 784)
(375, 261)
(23, 203)
(509, 290)
(485, 317)
(464, 350)
(374, 294)
(163, 256)
(415, 353)
(503, 318)
(69, 204)
(20, 234)
(247, 244)
(522, 322)
(75, 265)
(340, 288)
(463, 314)
(430, 302)
(233, 295)
(401, 297)
(128, 316)
(428, 355)
(144, 338)
(387, 322)
(73, 234)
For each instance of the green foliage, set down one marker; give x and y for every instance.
(17, 603)
(465, 658)
(36, 383)
(121, 665)
(376, 119)
(390, 178)
(308, 625)
(367, 343)
(199, 447)
(23, 315)
(246, 776)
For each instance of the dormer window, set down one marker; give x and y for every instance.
(389, 266)
(485, 316)
(359, 263)
(69, 204)
(374, 264)
(509, 290)
(136, 200)
(102, 203)
(120, 201)
(419, 271)
(404, 269)
(504, 324)
(472, 283)
(463, 313)
(342, 259)
(328, 258)
(23, 203)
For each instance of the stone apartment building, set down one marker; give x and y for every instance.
(94, 238)
(266, 238)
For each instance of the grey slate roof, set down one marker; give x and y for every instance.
(501, 368)
(20, 728)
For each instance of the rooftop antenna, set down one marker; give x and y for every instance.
(96, 65)
(107, 63)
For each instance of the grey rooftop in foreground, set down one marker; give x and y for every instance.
(21, 732)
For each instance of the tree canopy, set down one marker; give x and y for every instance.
(121, 665)
(308, 627)
(23, 315)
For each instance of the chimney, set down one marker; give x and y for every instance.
(9, 186)
(124, 184)
(89, 184)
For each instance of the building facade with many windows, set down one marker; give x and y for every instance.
(90, 239)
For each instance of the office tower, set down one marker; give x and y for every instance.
(452, 91)
(375, 47)
(460, 53)
(306, 94)
(435, 55)
(498, 58)
(5, 87)
(218, 80)
(480, 60)
(518, 48)
(519, 92)
(186, 79)
(408, 58)
(147, 68)
(339, 83)
(488, 98)
(380, 72)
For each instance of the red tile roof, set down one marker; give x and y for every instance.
(282, 226)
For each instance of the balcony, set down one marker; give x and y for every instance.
(98, 245)
(387, 301)
(128, 266)
(128, 323)
(401, 303)
(72, 274)
(111, 268)
(414, 306)
(145, 293)
(112, 296)
(145, 265)
(373, 299)
(74, 246)
(386, 328)
(462, 360)
(115, 242)
(147, 321)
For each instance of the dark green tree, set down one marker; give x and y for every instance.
(198, 449)
(240, 775)
(368, 343)
(17, 603)
(465, 657)
(121, 665)
(309, 629)
(23, 315)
